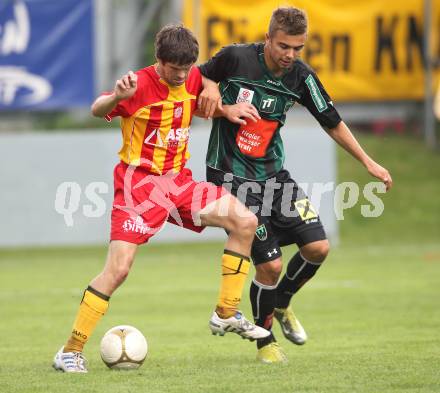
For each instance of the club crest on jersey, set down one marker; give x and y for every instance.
(245, 95)
(261, 232)
(288, 105)
(178, 112)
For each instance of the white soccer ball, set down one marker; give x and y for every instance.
(124, 348)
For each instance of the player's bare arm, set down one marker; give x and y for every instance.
(209, 99)
(125, 87)
(343, 136)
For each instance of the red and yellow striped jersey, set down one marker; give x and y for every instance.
(155, 122)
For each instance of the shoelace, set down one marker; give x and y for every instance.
(246, 325)
(75, 359)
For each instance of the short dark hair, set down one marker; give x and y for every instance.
(176, 44)
(290, 20)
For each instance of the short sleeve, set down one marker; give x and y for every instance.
(194, 82)
(128, 107)
(318, 102)
(220, 66)
(122, 110)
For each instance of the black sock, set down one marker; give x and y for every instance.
(298, 272)
(263, 299)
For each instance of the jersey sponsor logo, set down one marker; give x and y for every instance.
(136, 226)
(268, 103)
(271, 82)
(305, 210)
(261, 232)
(317, 97)
(176, 136)
(254, 139)
(245, 95)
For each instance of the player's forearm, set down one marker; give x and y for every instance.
(217, 113)
(104, 104)
(208, 83)
(344, 138)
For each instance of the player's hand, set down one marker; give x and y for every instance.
(238, 113)
(126, 86)
(209, 99)
(381, 173)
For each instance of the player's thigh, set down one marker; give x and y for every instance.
(138, 213)
(226, 212)
(294, 218)
(201, 204)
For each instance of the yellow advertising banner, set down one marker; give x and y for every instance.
(365, 50)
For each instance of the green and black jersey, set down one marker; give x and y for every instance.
(255, 151)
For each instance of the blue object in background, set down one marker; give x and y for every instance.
(46, 54)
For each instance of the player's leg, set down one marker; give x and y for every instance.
(266, 255)
(127, 232)
(301, 268)
(240, 223)
(305, 229)
(120, 258)
(228, 213)
(94, 305)
(285, 226)
(263, 298)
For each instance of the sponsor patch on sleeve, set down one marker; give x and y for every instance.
(317, 97)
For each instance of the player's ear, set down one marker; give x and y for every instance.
(267, 38)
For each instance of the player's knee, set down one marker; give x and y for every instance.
(274, 271)
(121, 268)
(323, 249)
(120, 274)
(316, 251)
(245, 226)
(268, 273)
(251, 223)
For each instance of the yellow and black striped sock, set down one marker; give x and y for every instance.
(235, 268)
(93, 306)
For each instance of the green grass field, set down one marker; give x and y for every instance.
(372, 313)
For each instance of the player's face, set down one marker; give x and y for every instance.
(282, 49)
(173, 74)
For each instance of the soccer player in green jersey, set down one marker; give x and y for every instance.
(259, 83)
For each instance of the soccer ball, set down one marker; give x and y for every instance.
(123, 348)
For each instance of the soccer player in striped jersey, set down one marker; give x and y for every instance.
(152, 186)
(259, 83)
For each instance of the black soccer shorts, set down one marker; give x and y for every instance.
(285, 215)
